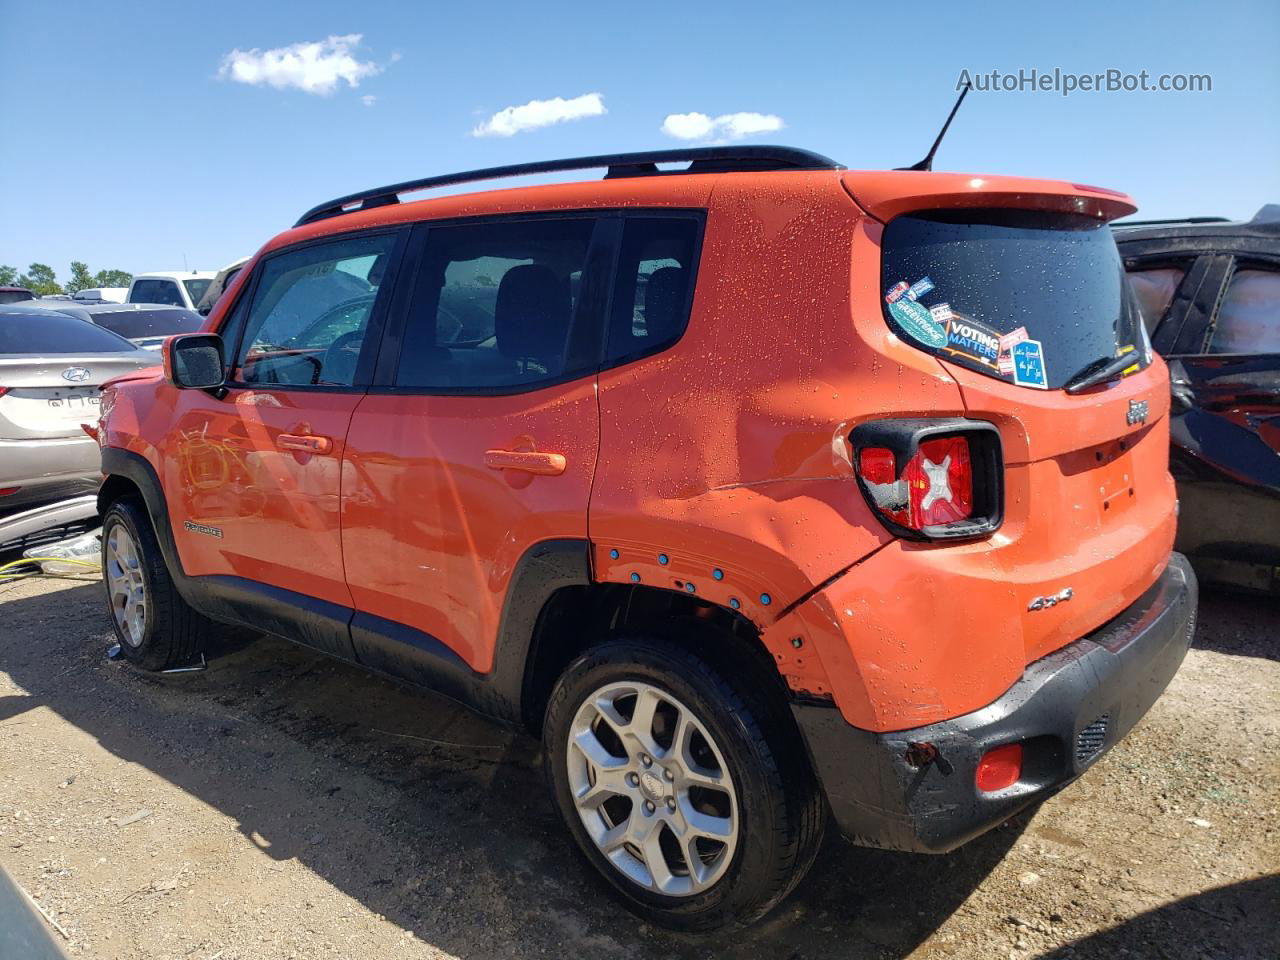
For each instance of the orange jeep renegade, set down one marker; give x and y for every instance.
(760, 489)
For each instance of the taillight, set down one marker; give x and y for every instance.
(4, 390)
(932, 479)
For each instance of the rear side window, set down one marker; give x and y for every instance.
(310, 313)
(56, 333)
(654, 285)
(1153, 290)
(495, 305)
(156, 291)
(1028, 297)
(136, 324)
(1249, 318)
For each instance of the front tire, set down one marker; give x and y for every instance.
(690, 794)
(155, 627)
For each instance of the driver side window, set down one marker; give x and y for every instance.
(310, 313)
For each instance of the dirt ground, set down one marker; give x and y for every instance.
(282, 805)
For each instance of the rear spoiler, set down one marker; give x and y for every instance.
(887, 194)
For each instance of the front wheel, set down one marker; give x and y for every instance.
(156, 628)
(688, 793)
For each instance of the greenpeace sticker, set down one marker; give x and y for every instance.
(918, 323)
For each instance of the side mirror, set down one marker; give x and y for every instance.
(194, 361)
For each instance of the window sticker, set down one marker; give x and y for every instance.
(894, 293)
(919, 288)
(918, 323)
(1004, 360)
(1028, 364)
(971, 339)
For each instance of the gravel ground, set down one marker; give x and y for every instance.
(282, 805)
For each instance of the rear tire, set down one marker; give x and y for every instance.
(713, 774)
(156, 628)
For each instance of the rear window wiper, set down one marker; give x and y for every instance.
(1100, 371)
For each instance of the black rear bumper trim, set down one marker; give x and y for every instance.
(1067, 710)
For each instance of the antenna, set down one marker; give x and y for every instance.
(927, 162)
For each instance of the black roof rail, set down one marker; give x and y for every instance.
(1121, 224)
(700, 160)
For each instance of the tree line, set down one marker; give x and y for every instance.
(41, 279)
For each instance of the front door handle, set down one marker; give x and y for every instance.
(304, 443)
(541, 464)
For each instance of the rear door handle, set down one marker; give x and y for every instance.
(1183, 397)
(542, 464)
(304, 443)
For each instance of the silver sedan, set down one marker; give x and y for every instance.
(52, 368)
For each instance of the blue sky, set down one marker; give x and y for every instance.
(124, 147)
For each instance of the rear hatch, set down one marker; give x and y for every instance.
(52, 367)
(52, 397)
(1016, 288)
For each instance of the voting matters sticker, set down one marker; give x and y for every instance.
(1028, 364)
(968, 338)
(918, 323)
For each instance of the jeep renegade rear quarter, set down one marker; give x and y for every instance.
(755, 489)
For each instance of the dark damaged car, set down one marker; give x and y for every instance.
(1209, 292)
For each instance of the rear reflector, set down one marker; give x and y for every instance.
(999, 768)
(5, 491)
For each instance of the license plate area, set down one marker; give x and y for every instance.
(1115, 481)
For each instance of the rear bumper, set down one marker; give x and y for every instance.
(48, 468)
(1067, 710)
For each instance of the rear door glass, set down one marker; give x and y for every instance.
(495, 305)
(1153, 288)
(1248, 320)
(1028, 297)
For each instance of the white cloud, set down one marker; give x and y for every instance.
(312, 67)
(688, 126)
(540, 113)
(728, 126)
(368, 99)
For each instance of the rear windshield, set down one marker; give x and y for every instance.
(1028, 297)
(136, 324)
(44, 334)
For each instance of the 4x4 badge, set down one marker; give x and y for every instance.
(1044, 603)
(1137, 412)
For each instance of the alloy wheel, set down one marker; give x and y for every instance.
(652, 789)
(126, 586)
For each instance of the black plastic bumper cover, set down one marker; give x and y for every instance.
(1067, 710)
